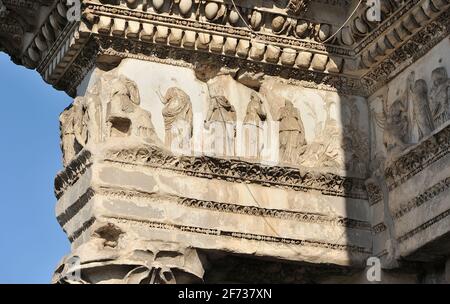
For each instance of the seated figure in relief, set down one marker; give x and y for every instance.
(124, 116)
(85, 123)
(396, 132)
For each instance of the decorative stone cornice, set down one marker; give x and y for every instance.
(416, 47)
(373, 191)
(422, 198)
(241, 171)
(72, 172)
(74, 208)
(305, 217)
(280, 41)
(268, 44)
(50, 34)
(243, 236)
(18, 18)
(126, 48)
(424, 226)
(398, 28)
(223, 169)
(379, 228)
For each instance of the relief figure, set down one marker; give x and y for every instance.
(94, 115)
(325, 150)
(397, 127)
(73, 130)
(125, 117)
(440, 96)
(221, 121)
(421, 109)
(253, 127)
(178, 118)
(292, 133)
(408, 102)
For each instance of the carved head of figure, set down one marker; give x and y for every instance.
(397, 112)
(131, 88)
(410, 81)
(174, 93)
(288, 104)
(223, 102)
(255, 97)
(421, 88)
(439, 76)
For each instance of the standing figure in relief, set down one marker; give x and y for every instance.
(440, 96)
(292, 133)
(253, 127)
(222, 117)
(407, 101)
(178, 118)
(396, 131)
(93, 114)
(421, 109)
(73, 136)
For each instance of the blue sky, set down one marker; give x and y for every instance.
(31, 241)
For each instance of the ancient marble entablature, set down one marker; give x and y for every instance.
(206, 133)
(264, 35)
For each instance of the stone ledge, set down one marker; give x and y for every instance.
(418, 157)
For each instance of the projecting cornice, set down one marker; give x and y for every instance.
(298, 40)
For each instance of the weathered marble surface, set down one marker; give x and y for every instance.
(262, 129)
(125, 175)
(212, 201)
(411, 160)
